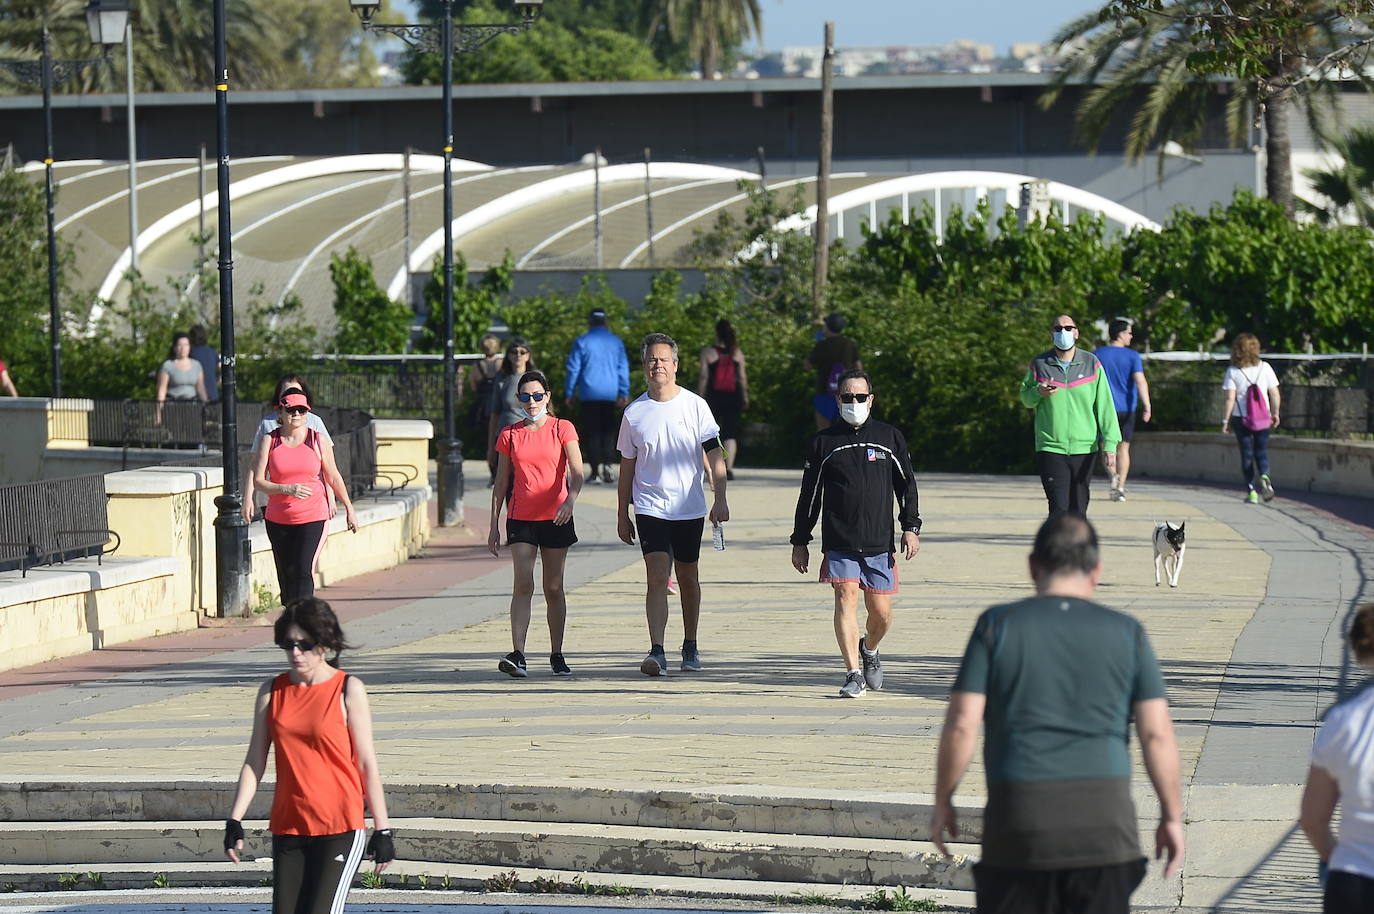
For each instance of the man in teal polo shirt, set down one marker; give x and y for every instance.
(1055, 680)
(1074, 417)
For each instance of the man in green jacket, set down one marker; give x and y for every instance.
(1075, 417)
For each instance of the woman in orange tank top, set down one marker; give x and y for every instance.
(318, 719)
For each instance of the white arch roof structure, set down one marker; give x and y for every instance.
(275, 178)
(549, 190)
(981, 180)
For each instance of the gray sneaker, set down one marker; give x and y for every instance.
(873, 667)
(853, 685)
(654, 664)
(691, 657)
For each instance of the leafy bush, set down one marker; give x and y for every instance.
(368, 321)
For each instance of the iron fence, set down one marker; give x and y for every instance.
(53, 520)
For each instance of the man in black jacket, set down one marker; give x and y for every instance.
(856, 468)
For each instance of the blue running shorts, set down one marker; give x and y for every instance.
(873, 573)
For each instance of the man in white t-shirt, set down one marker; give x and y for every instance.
(663, 435)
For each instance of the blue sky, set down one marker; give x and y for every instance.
(884, 22)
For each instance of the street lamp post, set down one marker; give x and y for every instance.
(233, 554)
(446, 39)
(106, 20)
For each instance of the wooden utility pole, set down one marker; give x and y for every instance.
(821, 229)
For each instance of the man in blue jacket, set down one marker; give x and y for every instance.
(598, 376)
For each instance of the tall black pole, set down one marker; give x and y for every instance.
(449, 451)
(233, 558)
(54, 312)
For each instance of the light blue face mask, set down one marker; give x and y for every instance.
(1063, 340)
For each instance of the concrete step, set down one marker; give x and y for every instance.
(746, 808)
(403, 885)
(575, 847)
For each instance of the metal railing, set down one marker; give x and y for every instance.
(53, 520)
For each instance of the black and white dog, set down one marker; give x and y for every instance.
(1169, 549)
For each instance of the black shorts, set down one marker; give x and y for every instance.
(1127, 423)
(543, 533)
(681, 539)
(726, 409)
(1089, 890)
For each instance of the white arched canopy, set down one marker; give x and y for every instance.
(980, 181)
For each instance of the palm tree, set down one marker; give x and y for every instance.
(1348, 187)
(272, 44)
(709, 26)
(1158, 64)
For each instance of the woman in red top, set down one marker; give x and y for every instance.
(298, 464)
(535, 459)
(318, 718)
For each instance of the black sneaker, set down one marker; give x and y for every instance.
(655, 662)
(513, 664)
(560, 666)
(873, 667)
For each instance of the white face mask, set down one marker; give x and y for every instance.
(1063, 340)
(855, 414)
(533, 410)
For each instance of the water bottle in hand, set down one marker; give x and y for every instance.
(718, 537)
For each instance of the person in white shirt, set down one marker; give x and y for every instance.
(1342, 759)
(1248, 370)
(663, 435)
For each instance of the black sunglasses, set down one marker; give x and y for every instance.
(1069, 327)
(537, 398)
(296, 410)
(854, 398)
(519, 352)
(291, 644)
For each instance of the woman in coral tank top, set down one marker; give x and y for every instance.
(292, 465)
(317, 717)
(538, 478)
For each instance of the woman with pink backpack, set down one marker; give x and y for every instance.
(1252, 410)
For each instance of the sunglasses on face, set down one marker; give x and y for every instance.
(1065, 327)
(296, 410)
(292, 644)
(519, 352)
(537, 398)
(854, 398)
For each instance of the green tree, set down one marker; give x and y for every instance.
(711, 28)
(474, 306)
(368, 321)
(1246, 266)
(24, 338)
(630, 17)
(1348, 188)
(1157, 58)
(273, 44)
(548, 52)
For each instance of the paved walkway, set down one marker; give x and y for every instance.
(1250, 643)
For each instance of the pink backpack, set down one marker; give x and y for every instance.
(1257, 417)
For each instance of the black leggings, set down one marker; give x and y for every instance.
(312, 874)
(1065, 478)
(294, 547)
(1347, 893)
(599, 430)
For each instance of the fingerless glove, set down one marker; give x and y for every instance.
(380, 847)
(233, 832)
